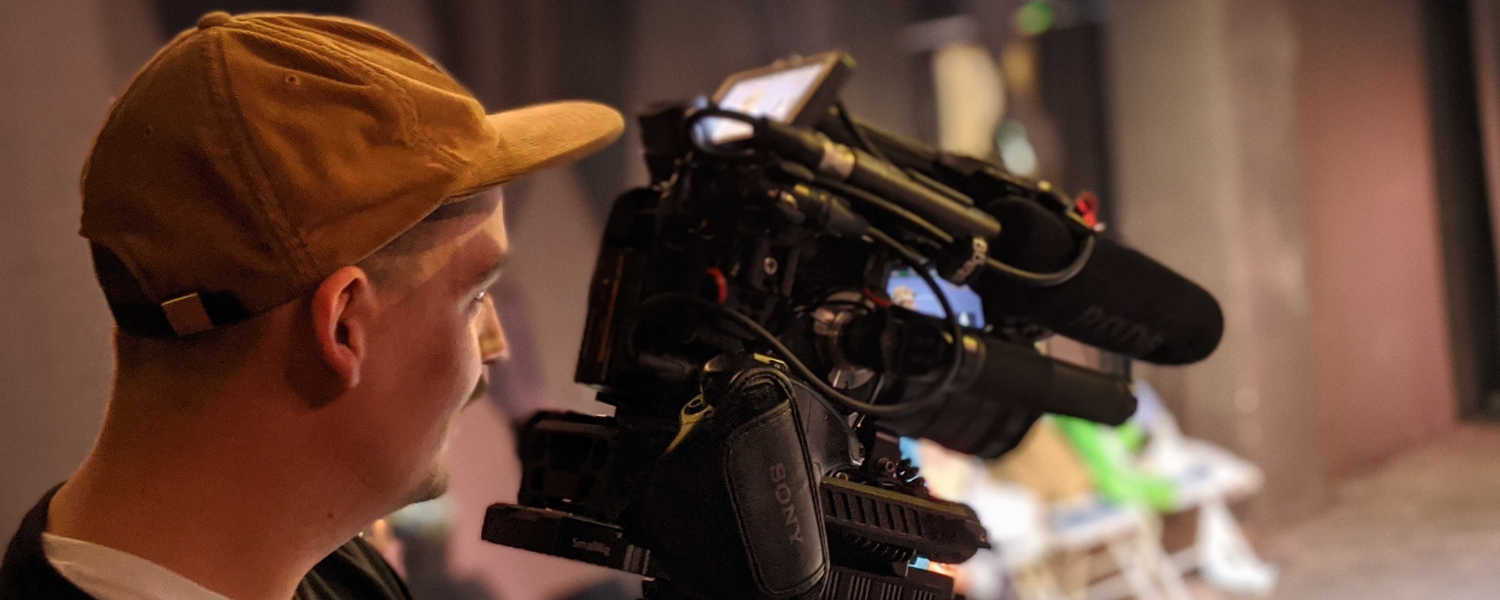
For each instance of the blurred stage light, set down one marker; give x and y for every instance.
(1034, 18)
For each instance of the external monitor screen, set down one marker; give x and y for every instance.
(774, 96)
(910, 291)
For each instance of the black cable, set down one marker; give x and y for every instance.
(955, 330)
(936, 233)
(933, 231)
(1046, 279)
(858, 133)
(876, 410)
(1037, 279)
(865, 144)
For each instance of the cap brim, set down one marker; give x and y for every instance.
(535, 137)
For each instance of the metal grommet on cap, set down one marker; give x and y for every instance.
(214, 19)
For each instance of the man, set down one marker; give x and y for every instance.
(294, 220)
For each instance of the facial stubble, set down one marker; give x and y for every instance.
(439, 474)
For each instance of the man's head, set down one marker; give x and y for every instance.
(308, 208)
(405, 336)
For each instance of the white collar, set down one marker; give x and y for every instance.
(109, 574)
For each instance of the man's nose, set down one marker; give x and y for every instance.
(492, 343)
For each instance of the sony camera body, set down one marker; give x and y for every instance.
(740, 322)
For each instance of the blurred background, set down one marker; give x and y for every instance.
(1325, 167)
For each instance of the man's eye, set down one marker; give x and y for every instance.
(481, 295)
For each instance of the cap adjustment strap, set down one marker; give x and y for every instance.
(187, 315)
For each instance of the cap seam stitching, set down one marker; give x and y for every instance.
(298, 252)
(114, 110)
(417, 131)
(352, 66)
(143, 278)
(270, 34)
(412, 133)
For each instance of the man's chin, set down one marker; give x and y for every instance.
(436, 482)
(434, 486)
(481, 388)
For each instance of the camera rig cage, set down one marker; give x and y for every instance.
(761, 376)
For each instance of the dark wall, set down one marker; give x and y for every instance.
(54, 327)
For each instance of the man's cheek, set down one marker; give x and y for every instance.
(455, 372)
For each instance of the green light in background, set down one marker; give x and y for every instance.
(1033, 18)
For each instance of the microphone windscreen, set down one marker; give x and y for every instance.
(1121, 301)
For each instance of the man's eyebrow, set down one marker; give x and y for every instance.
(491, 273)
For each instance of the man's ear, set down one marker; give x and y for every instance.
(342, 307)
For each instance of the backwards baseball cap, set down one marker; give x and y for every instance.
(256, 154)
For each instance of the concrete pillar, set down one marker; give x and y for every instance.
(1205, 122)
(1384, 366)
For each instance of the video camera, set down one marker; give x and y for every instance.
(779, 307)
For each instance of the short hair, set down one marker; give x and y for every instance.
(224, 346)
(392, 268)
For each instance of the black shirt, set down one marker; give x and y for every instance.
(353, 572)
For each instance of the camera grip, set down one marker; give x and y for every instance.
(732, 504)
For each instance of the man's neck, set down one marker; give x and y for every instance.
(232, 516)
